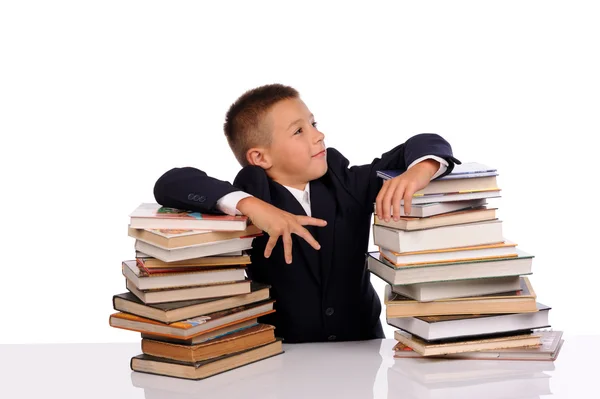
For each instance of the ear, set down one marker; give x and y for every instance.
(259, 156)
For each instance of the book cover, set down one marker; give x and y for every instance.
(392, 298)
(193, 322)
(169, 306)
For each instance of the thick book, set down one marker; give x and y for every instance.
(171, 238)
(504, 249)
(425, 292)
(522, 301)
(171, 312)
(189, 293)
(155, 216)
(449, 271)
(245, 339)
(207, 336)
(194, 326)
(432, 328)
(439, 208)
(462, 235)
(156, 281)
(425, 348)
(448, 219)
(197, 251)
(447, 186)
(550, 345)
(153, 265)
(205, 369)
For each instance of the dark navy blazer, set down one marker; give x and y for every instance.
(326, 294)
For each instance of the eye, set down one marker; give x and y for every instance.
(314, 124)
(298, 131)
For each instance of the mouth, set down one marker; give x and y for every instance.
(320, 154)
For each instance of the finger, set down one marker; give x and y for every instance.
(307, 220)
(287, 246)
(305, 234)
(270, 245)
(408, 196)
(396, 199)
(379, 199)
(386, 203)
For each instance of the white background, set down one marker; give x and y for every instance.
(98, 99)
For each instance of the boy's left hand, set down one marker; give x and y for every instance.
(404, 187)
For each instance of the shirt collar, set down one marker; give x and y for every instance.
(301, 195)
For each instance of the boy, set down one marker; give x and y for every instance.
(289, 180)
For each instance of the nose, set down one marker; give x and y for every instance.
(319, 136)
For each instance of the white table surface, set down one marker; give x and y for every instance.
(364, 369)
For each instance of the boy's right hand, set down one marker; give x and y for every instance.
(276, 222)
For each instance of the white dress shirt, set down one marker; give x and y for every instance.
(228, 203)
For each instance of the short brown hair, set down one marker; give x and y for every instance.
(243, 122)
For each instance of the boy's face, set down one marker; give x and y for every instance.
(297, 152)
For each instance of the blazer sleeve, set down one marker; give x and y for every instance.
(362, 181)
(192, 189)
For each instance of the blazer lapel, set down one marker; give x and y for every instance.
(283, 199)
(323, 206)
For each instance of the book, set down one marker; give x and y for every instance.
(504, 249)
(447, 219)
(171, 238)
(189, 293)
(205, 337)
(248, 338)
(449, 271)
(460, 171)
(260, 376)
(156, 265)
(179, 279)
(425, 292)
(448, 186)
(155, 216)
(521, 301)
(439, 208)
(197, 251)
(205, 369)
(462, 235)
(171, 312)
(192, 327)
(451, 197)
(548, 350)
(432, 328)
(430, 349)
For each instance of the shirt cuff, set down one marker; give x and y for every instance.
(228, 203)
(442, 161)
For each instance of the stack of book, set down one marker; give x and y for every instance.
(189, 297)
(455, 284)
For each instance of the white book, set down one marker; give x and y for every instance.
(189, 293)
(438, 208)
(221, 247)
(432, 328)
(462, 235)
(426, 292)
(180, 279)
(497, 250)
(501, 267)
